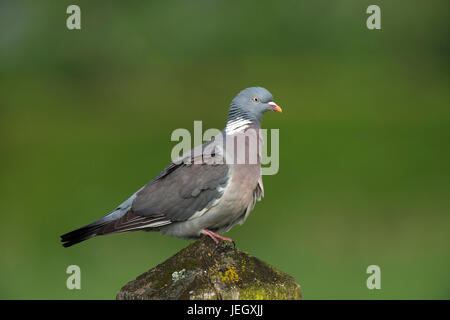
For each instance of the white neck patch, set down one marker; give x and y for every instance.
(237, 125)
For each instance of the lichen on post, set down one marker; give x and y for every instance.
(206, 271)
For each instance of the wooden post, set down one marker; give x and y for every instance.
(206, 271)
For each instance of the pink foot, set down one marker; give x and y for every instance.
(214, 236)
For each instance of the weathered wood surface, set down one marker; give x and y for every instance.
(204, 271)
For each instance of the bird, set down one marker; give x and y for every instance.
(206, 191)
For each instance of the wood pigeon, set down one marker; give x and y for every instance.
(206, 191)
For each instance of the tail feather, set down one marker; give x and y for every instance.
(81, 234)
(115, 222)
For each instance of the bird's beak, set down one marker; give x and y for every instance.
(274, 106)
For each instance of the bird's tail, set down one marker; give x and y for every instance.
(81, 234)
(117, 221)
(100, 227)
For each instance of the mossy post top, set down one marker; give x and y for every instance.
(206, 271)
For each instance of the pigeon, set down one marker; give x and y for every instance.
(206, 191)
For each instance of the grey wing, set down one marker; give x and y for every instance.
(176, 194)
(181, 193)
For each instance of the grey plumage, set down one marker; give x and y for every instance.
(189, 196)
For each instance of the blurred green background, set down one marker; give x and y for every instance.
(86, 118)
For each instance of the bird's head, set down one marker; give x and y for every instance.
(251, 103)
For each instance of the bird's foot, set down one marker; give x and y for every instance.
(216, 236)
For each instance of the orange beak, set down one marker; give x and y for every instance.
(274, 106)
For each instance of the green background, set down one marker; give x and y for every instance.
(86, 118)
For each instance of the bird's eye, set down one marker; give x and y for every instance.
(255, 99)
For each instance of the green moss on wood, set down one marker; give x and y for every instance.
(204, 270)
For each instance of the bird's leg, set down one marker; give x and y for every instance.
(223, 238)
(214, 236)
(210, 234)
